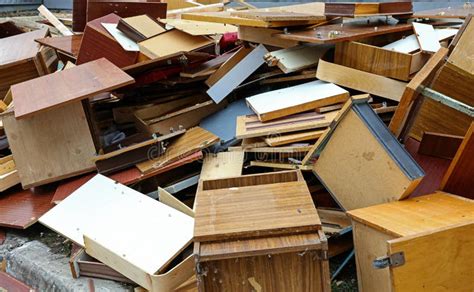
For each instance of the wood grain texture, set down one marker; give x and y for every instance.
(451, 269)
(99, 8)
(20, 209)
(439, 145)
(238, 213)
(8, 283)
(40, 154)
(200, 27)
(275, 15)
(20, 48)
(140, 27)
(296, 58)
(421, 214)
(251, 126)
(71, 85)
(292, 138)
(462, 54)
(264, 36)
(222, 165)
(192, 141)
(16, 74)
(66, 44)
(79, 15)
(350, 32)
(360, 80)
(458, 177)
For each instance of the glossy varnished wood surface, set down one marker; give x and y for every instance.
(246, 208)
(66, 44)
(19, 48)
(22, 208)
(70, 85)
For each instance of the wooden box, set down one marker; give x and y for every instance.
(380, 61)
(253, 231)
(421, 244)
(360, 162)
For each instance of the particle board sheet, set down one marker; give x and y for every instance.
(295, 99)
(66, 44)
(440, 145)
(349, 32)
(20, 209)
(360, 80)
(250, 126)
(71, 85)
(237, 73)
(296, 58)
(19, 48)
(362, 164)
(445, 12)
(8, 283)
(40, 152)
(228, 208)
(99, 8)
(426, 37)
(458, 178)
(193, 140)
(416, 215)
(193, 27)
(172, 42)
(222, 165)
(462, 54)
(140, 27)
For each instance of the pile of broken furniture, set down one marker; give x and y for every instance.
(183, 146)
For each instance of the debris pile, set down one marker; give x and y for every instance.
(183, 146)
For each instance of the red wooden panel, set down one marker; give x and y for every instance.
(20, 209)
(10, 284)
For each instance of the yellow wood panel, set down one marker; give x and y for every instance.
(222, 165)
(463, 54)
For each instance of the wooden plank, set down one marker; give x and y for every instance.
(140, 27)
(264, 36)
(275, 15)
(19, 48)
(54, 21)
(421, 214)
(296, 99)
(360, 80)
(426, 37)
(454, 267)
(296, 58)
(292, 138)
(222, 165)
(72, 85)
(206, 67)
(409, 44)
(282, 166)
(250, 126)
(99, 8)
(196, 28)
(172, 42)
(169, 200)
(8, 283)
(66, 44)
(8, 180)
(228, 65)
(458, 177)
(193, 140)
(445, 12)
(439, 145)
(20, 209)
(240, 193)
(349, 32)
(237, 74)
(461, 56)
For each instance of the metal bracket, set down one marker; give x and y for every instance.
(394, 260)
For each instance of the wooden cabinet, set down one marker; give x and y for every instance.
(253, 231)
(421, 244)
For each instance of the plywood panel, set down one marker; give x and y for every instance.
(426, 37)
(462, 55)
(66, 44)
(70, 85)
(19, 48)
(221, 165)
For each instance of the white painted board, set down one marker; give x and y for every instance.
(292, 96)
(126, 43)
(426, 37)
(146, 232)
(410, 44)
(237, 74)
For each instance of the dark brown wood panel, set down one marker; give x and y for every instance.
(439, 145)
(66, 44)
(79, 11)
(10, 284)
(99, 8)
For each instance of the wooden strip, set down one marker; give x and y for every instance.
(292, 138)
(439, 145)
(222, 165)
(196, 28)
(54, 21)
(281, 165)
(275, 15)
(169, 200)
(426, 37)
(228, 65)
(9, 180)
(264, 36)
(360, 80)
(296, 58)
(75, 84)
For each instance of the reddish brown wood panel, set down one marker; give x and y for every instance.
(18, 48)
(79, 15)
(66, 44)
(439, 145)
(99, 8)
(126, 177)
(434, 168)
(10, 284)
(67, 86)
(98, 43)
(459, 179)
(22, 208)
(8, 28)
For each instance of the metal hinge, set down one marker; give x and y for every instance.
(394, 260)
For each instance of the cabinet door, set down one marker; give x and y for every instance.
(435, 261)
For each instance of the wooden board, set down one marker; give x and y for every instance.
(9, 179)
(66, 44)
(296, 58)
(409, 44)
(193, 140)
(71, 85)
(222, 165)
(295, 99)
(350, 9)
(349, 32)
(292, 138)
(416, 215)
(206, 68)
(360, 80)
(193, 27)
(54, 21)
(275, 15)
(445, 12)
(462, 54)
(172, 42)
(264, 36)
(451, 269)
(19, 48)
(140, 27)
(8, 283)
(242, 214)
(40, 154)
(79, 15)
(426, 37)
(250, 126)
(125, 42)
(439, 145)
(236, 74)
(458, 177)
(231, 62)
(21, 208)
(99, 8)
